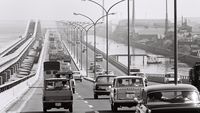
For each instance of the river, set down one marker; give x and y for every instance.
(137, 61)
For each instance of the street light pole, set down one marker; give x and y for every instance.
(128, 37)
(175, 43)
(94, 24)
(107, 37)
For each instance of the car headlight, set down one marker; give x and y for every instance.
(148, 111)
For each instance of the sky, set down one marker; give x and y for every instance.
(63, 9)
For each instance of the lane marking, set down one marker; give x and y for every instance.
(96, 112)
(86, 102)
(90, 106)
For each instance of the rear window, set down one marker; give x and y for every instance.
(57, 85)
(127, 82)
(134, 70)
(168, 97)
(105, 79)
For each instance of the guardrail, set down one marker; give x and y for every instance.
(123, 68)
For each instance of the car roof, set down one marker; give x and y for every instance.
(57, 79)
(165, 87)
(106, 76)
(118, 77)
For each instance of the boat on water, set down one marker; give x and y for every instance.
(153, 60)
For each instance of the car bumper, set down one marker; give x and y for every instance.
(57, 104)
(128, 103)
(101, 92)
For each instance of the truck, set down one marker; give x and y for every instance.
(194, 75)
(57, 91)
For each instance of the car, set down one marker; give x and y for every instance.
(99, 71)
(134, 69)
(91, 65)
(77, 76)
(126, 91)
(169, 98)
(102, 84)
(99, 57)
(94, 69)
(108, 73)
(140, 74)
(169, 78)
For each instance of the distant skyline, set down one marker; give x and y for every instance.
(63, 9)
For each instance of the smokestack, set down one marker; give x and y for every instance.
(133, 18)
(166, 20)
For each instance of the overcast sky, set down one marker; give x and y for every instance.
(63, 9)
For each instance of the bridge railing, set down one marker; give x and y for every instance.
(13, 91)
(15, 57)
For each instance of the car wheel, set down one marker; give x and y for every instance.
(95, 96)
(113, 107)
(44, 109)
(71, 108)
(80, 80)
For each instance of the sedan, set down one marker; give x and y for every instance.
(77, 76)
(169, 98)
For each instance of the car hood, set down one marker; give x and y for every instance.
(175, 108)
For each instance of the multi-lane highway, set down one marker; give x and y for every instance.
(83, 98)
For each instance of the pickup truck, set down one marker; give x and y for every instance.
(57, 93)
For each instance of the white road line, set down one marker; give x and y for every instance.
(86, 102)
(90, 106)
(96, 112)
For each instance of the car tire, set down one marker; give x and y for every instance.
(80, 80)
(44, 109)
(71, 108)
(95, 96)
(113, 107)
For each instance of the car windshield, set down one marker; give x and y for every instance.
(105, 79)
(124, 82)
(168, 97)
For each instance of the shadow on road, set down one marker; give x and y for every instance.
(119, 111)
(96, 99)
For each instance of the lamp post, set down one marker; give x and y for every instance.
(175, 42)
(128, 29)
(94, 24)
(83, 28)
(107, 13)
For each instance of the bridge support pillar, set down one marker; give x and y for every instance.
(143, 60)
(11, 70)
(1, 80)
(8, 74)
(3, 77)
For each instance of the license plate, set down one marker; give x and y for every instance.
(130, 95)
(57, 104)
